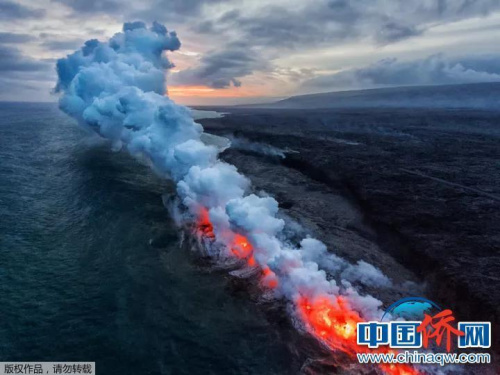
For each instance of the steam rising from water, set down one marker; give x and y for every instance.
(117, 89)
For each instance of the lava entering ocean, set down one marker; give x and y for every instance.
(239, 245)
(117, 89)
(330, 320)
(335, 324)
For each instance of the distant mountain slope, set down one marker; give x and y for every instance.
(475, 95)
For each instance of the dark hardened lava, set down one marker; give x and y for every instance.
(425, 182)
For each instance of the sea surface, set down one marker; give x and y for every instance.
(80, 279)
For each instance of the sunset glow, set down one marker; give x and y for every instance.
(179, 91)
(190, 94)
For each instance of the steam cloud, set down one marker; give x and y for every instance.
(117, 89)
(241, 143)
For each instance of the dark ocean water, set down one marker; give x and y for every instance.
(79, 280)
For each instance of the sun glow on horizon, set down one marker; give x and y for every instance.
(205, 95)
(238, 92)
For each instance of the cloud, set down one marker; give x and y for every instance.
(149, 10)
(10, 10)
(12, 38)
(12, 60)
(257, 41)
(220, 69)
(23, 78)
(279, 26)
(93, 6)
(306, 24)
(62, 45)
(184, 7)
(433, 70)
(392, 32)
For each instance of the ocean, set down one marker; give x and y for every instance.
(92, 267)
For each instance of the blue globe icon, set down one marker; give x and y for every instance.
(411, 308)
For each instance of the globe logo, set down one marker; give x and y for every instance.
(411, 308)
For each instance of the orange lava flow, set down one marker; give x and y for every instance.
(204, 224)
(335, 324)
(331, 322)
(240, 247)
(269, 278)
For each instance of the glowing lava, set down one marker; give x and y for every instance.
(240, 247)
(335, 324)
(269, 279)
(332, 322)
(204, 225)
(330, 319)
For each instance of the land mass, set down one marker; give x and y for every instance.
(414, 192)
(472, 95)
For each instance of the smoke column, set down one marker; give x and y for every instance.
(118, 90)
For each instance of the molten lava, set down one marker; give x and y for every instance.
(331, 321)
(269, 279)
(205, 227)
(240, 247)
(335, 324)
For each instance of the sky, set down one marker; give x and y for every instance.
(251, 51)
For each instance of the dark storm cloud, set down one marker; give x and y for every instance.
(94, 6)
(392, 32)
(222, 68)
(12, 38)
(276, 26)
(281, 27)
(434, 70)
(63, 45)
(13, 61)
(321, 23)
(10, 10)
(147, 10)
(325, 21)
(174, 11)
(204, 27)
(24, 78)
(184, 7)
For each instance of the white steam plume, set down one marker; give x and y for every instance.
(117, 88)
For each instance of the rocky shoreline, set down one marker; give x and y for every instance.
(409, 191)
